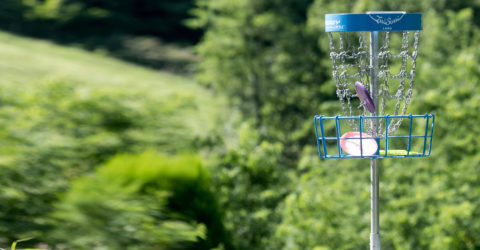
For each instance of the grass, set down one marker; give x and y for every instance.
(26, 61)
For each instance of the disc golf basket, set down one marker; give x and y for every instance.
(375, 51)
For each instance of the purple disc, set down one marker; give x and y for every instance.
(364, 97)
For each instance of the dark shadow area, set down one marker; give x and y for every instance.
(145, 32)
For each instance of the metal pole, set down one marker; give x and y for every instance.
(374, 164)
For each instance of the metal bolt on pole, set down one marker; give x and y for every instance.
(374, 227)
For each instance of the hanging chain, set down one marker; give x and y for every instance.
(350, 60)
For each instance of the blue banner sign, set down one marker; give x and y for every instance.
(373, 21)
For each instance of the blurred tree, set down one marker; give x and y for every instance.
(76, 20)
(263, 56)
(157, 18)
(11, 14)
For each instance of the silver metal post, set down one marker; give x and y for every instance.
(374, 164)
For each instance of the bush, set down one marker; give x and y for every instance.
(249, 180)
(145, 201)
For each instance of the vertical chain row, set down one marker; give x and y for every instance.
(401, 95)
(344, 58)
(339, 74)
(384, 73)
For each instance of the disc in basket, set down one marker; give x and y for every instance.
(350, 143)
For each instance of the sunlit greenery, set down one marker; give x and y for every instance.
(98, 153)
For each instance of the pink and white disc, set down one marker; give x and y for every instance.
(352, 146)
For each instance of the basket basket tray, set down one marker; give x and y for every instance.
(414, 140)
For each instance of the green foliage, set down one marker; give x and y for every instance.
(250, 180)
(270, 58)
(280, 85)
(262, 56)
(81, 19)
(158, 18)
(14, 244)
(425, 204)
(64, 111)
(145, 201)
(56, 131)
(329, 208)
(11, 13)
(132, 30)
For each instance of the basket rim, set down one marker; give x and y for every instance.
(427, 137)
